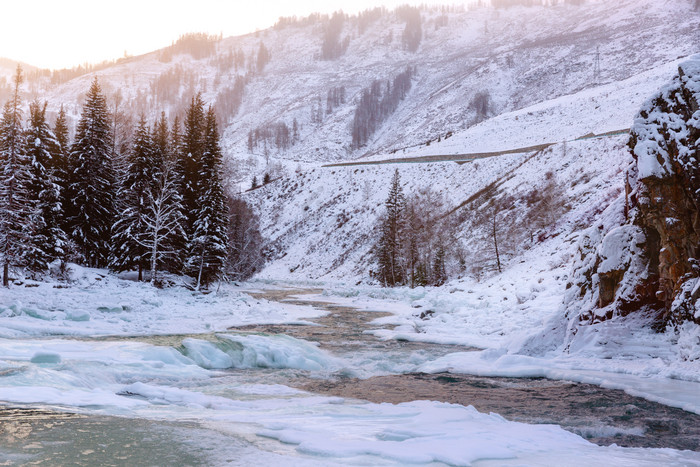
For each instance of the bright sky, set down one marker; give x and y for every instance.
(65, 33)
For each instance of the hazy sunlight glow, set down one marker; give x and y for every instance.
(66, 33)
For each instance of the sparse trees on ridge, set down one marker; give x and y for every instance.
(377, 103)
(413, 32)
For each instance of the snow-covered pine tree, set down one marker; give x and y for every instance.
(47, 241)
(388, 254)
(207, 247)
(191, 150)
(14, 214)
(92, 186)
(59, 158)
(174, 262)
(141, 171)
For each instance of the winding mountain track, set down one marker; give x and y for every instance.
(470, 157)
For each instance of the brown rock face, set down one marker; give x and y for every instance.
(664, 143)
(667, 210)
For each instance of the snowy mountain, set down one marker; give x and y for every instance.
(545, 74)
(483, 79)
(518, 56)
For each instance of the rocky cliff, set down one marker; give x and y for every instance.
(644, 253)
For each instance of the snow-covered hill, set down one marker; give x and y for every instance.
(520, 56)
(537, 64)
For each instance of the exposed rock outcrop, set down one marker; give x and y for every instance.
(665, 146)
(647, 258)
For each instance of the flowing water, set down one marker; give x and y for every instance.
(171, 428)
(603, 416)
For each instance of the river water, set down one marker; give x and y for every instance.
(173, 432)
(603, 416)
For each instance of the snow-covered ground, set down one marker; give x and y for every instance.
(96, 303)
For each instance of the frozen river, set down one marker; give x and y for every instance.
(324, 392)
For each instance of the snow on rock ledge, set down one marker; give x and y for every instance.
(644, 253)
(667, 129)
(621, 252)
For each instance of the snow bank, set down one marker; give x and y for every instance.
(95, 303)
(420, 433)
(663, 131)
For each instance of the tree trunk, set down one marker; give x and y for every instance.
(495, 243)
(201, 267)
(6, 274)
(154, 257)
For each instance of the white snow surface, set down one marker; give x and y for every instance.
(324, 236)
(95, 303)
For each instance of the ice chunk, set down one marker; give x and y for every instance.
(256, 351)
(78, 315)
(46, 357)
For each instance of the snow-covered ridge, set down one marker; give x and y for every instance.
(520, 56)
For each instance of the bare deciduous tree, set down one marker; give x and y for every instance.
(244, 240)
(163, 220)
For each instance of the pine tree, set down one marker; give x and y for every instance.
(14, 214)
(162, 152)
(141, 171)
(439, 271)
(389, 248)
(207, 247)
(177, 241)
(92, 187)
(60, 160)
(192, 147)
(47, 240)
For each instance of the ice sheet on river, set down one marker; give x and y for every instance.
(139, 380)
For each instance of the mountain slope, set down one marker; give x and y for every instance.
(520, 56)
